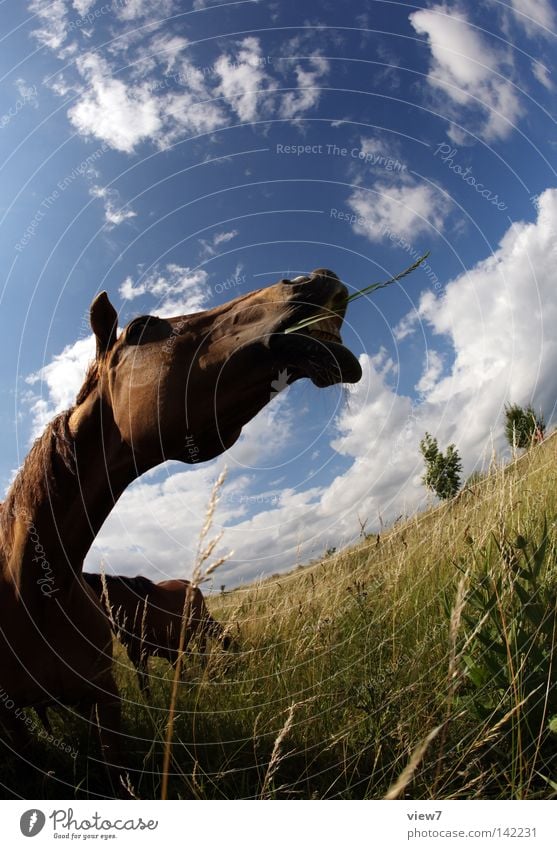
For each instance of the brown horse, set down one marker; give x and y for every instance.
(178, 388)
(147, 618)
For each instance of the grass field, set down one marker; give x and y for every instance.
(420, 663)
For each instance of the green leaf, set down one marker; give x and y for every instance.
(477, 676)
(524, 596)
(539, 555)
(537, 614)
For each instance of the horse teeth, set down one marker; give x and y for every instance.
(327, 330)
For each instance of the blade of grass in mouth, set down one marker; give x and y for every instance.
(306, 322)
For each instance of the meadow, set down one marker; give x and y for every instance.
(419, 663)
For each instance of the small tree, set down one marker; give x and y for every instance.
(523, 428)
(442, 473)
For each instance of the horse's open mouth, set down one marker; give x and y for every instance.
(317, 352)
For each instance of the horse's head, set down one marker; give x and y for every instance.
(182, 388)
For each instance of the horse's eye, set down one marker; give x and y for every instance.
(136, 329)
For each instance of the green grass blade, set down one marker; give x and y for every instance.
(368, 289)
(306, 322)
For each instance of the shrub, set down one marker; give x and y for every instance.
(442, 474)
(523, 428)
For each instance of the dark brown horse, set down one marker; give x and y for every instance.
(177, 388)
(147, 618)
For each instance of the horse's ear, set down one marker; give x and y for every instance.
(104, 322)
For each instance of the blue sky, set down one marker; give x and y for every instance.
(180, 154)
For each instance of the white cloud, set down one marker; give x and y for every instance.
(265, 436)
(226, 236)
(27, 92)
(159, 95)
(83, 6)
(172, 511)
(167, 52)
(52, 20)
(185, 113)
(500, 316)
(543, 75)
(537, 17)
(206, 4)
(433, 368)
(121, 115)
(499, 319)
(307, 93)
(133, 10)
(373, 148)
(469, 72)
(60, 381)
(402, 211)
(178, 290)
(243, 81)
(114, 213)
(210, 246)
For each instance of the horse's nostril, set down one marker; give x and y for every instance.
(326, 273)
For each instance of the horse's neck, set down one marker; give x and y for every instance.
(57, 515)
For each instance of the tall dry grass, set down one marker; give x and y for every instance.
(350, 680)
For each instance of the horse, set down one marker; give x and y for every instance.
(178, 388)
(147, 618)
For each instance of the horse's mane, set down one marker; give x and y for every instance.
(90, 382)
(47, 465)
(139, 585)
(49, 462)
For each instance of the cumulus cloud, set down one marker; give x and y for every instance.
(543, 75)
(52, 22)
(173, 510)
(210, 246)
(225, 236)
(177, 289)
(83, 6)
(27, 92)
(110, 110)
(470, 74)
(433, 369)
(206, 4)
(500, 315)
(307, 92)
(114, 212)
(133, 10)
(404, 210)
(159, 94)
(536, 17)
(192, 107)
(383, 151)
(59, 382)
(243, 81)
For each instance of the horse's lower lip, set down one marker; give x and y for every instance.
(324, 361)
